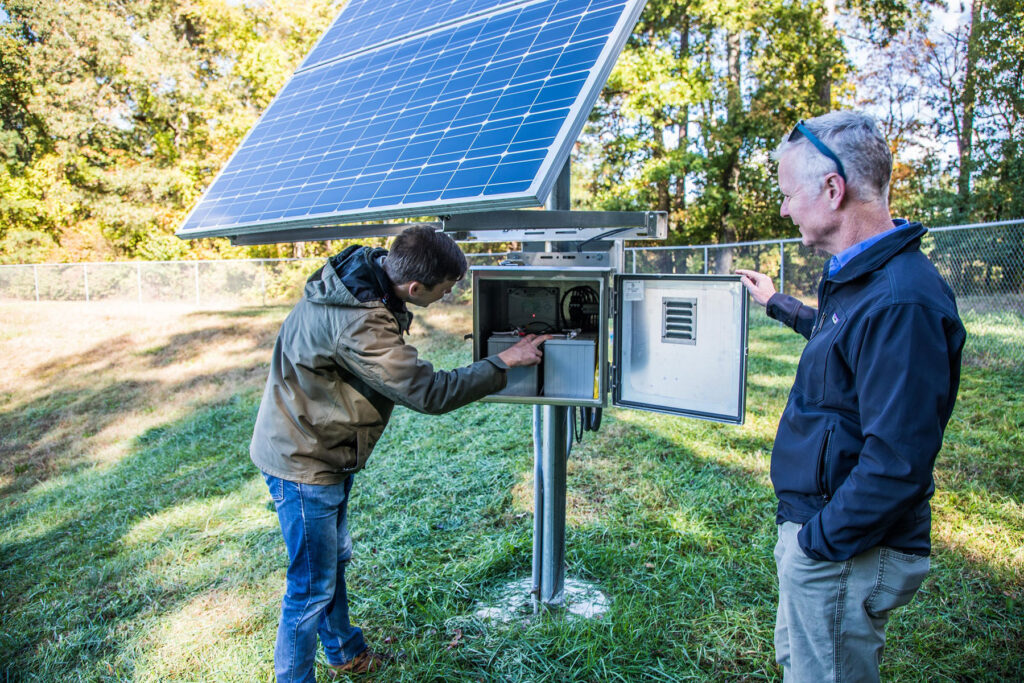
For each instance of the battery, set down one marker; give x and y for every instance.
(569, 366)
(522, 381)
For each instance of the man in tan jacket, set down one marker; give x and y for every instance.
(339, 365)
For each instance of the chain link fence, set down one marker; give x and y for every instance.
(983, 263)
(251, 282)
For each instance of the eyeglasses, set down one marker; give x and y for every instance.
(801, 129)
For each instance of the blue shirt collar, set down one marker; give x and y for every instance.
(837, 262)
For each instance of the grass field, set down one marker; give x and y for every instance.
(137, 541)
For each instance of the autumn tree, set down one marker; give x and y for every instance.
(116, 115)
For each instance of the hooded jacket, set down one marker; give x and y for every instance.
(340, 364)
(874, 389)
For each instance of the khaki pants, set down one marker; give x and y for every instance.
(831, 620)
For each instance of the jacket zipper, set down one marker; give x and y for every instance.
(821, 309)
(823, 487)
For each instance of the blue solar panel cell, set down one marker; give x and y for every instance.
(364, 23)
(401, 106)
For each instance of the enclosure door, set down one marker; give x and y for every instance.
(681, 345)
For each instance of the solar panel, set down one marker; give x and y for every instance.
(421, 108)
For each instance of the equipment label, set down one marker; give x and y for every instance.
(633, 290)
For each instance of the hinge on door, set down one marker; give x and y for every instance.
(611, 377)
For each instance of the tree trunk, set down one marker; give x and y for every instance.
(731, 171)
(968, 99)
(825, 83)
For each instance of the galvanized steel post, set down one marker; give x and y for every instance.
(782, 267)
(549, 471)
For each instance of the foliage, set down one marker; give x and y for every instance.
(701, 95)
(706, 88)
(117, 114)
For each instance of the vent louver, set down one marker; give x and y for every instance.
(679, 321)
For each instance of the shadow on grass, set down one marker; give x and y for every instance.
(71, 545)
(46, 430)
(34, 446)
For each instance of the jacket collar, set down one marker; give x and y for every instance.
(873, 258)
(359, 269)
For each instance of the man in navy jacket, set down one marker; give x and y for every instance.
(875, 387)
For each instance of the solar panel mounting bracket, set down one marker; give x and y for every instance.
(491, 226)
(556, 226)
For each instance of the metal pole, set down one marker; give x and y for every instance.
(35, 276)
(705, 260)
(538, 507)
(85, 278)
(263, 283)
(552, 576)
(782, 267)
(549, 496)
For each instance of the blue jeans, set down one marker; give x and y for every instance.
(313, 521)
(831, 621)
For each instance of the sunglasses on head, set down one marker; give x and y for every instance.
(801, 129)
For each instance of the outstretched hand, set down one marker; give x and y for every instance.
(525, 352)
(759, 285)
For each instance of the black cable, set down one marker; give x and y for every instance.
(546, 329)
(602, 236)
(580, 298)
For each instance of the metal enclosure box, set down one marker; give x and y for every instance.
(571, 371)
(680, 341)
(681, 345)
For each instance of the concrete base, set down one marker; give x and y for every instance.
(514, 601)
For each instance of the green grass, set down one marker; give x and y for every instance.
(146, 549)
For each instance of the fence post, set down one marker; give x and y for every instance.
(85, 278)
(35, 276)
(197, 282)
(263, 283)
(634, 262)
(782, 267)
(138, 278)
(705, 260)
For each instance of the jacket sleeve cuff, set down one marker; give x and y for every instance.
(497, 362)
(803, 539)
(783, 308)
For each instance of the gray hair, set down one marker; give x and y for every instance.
(853, 137)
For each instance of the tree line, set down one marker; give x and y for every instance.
(115, 116)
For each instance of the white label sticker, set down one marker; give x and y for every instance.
(633, 290)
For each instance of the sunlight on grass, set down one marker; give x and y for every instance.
(233, 514)
(201, 640)
(692, 527)
(995, 338)
(983, 529)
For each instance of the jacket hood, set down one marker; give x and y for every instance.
(878, 254)
(356, 277)
(352, 277)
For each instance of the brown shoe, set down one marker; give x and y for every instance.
(365, 662)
